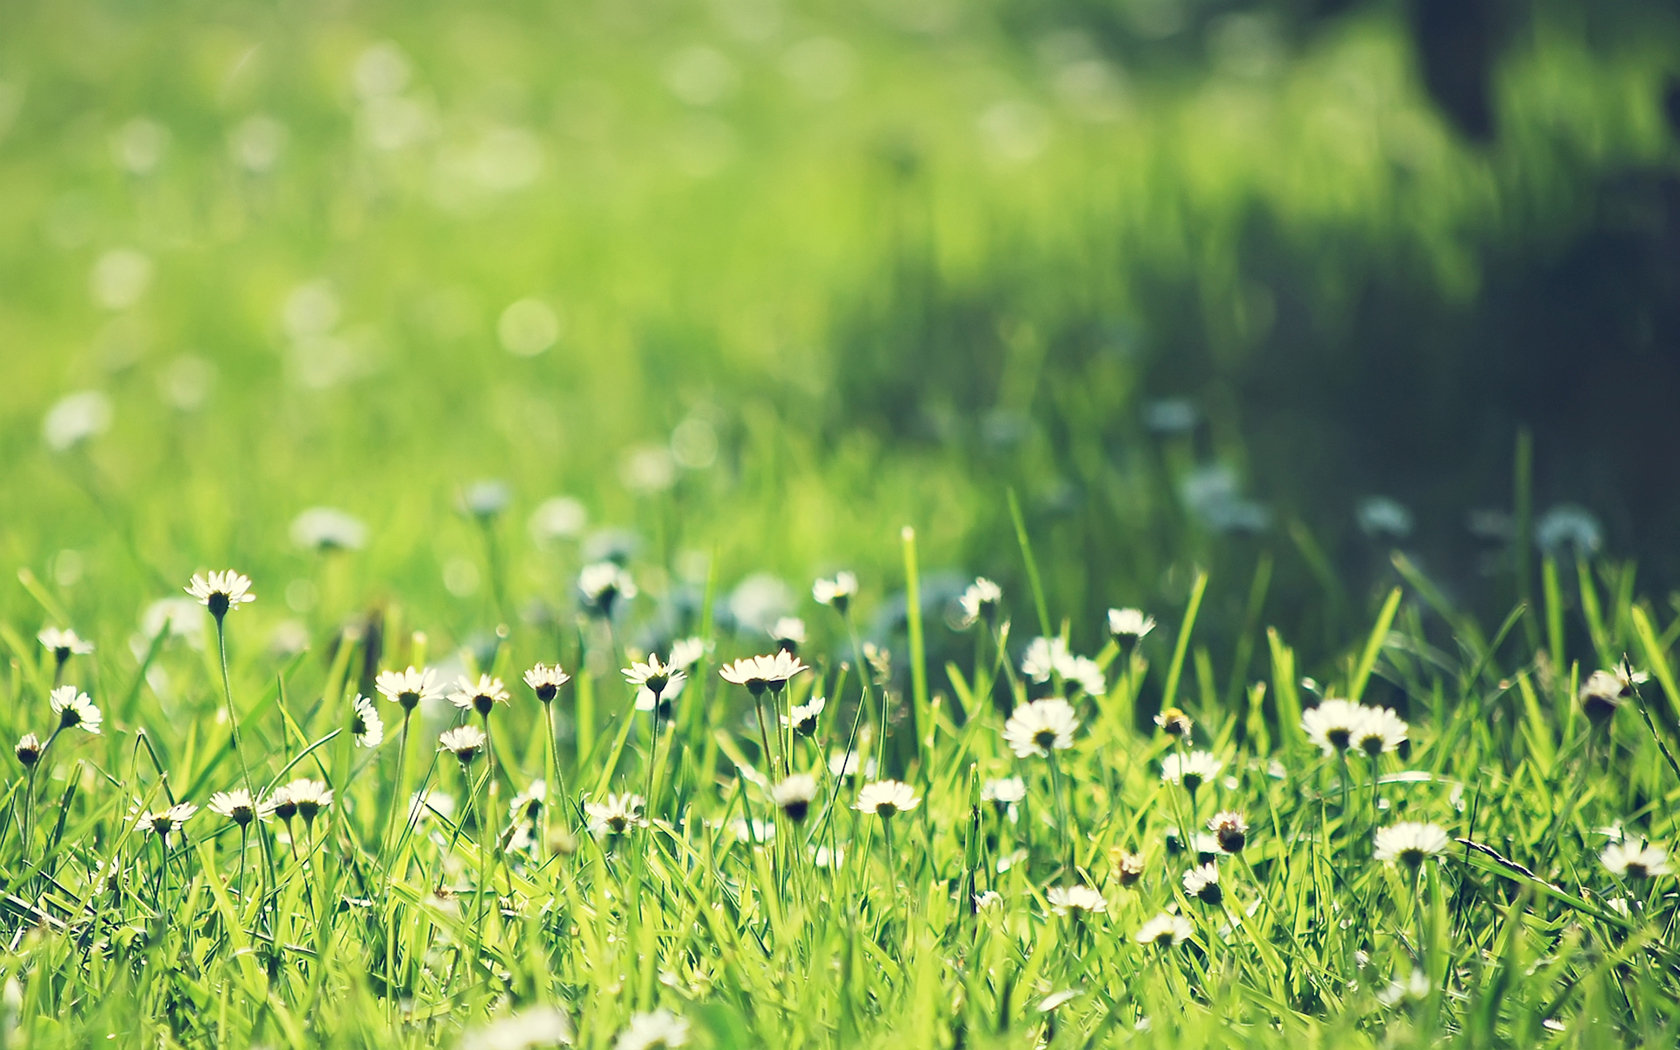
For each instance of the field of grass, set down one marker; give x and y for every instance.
(436, 320)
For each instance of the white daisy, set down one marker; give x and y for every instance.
(1129, 625)
(802, 719)
(74, 709)
(1175, 723)
(1077, 901)
(646, 699)
(1379, 730)
(366, 726)
(1642, 861)
(1330, 725)
(164, 822)
(536, 1026)
(221, 592)
(481, 696)
(615, 816)
(1165, 930)
(980, 602)
(1040, 727)
(844, 764)
(887, 798)
(464, 742)
(748, 673)
(653, 1031)
(1202, 883)
(1003, 791)
(837, 592)
(305, 797)
(686, 652)
(794, 795)
(28, 750)
(528, 804)
(1409, 843)
(324, 529)
(238, 806)
(408, 688)
(1602, 693)
(603, 585)
(1230, 828)
(788, 633)
(1128, 866)
(1191, 770)
(652, 675)
(546, 680)
(64, 643)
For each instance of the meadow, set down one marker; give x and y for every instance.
(799, 524)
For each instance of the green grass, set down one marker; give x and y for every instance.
(904, 321)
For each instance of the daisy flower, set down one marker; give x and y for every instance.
(779, 668)
(748, 673)
(1077, 901)
(686, 652)
(1379, 730)
(603, 585)
(1202, 883)
(1175, 723)
(221, 592)
(1040, 727)
(1409, 843)
(408, 688)
(980, 602)
(365, 724)
(1191, 770)
(1129, 625)
(788, 633)
(1128, 866)
(1644, 861)
(1231, 829)
(794, 795)
(802, 719)
(887, 798)
(652, 675)
(616, 815)
(837, 592)
(844, 764)
(307, 798)
(464, 742)
(646, 699)
(1165, 931)
(481, 696)
(546, 681)
(238, 806)
(1330, 725)
(653, 1031)
(63, 643)
(528, 1029)
(1003, 792)
(1602, 693)
(74, 708)
(28, 750)
(528, 804)
(164, 822)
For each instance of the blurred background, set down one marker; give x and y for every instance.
(1269, 287)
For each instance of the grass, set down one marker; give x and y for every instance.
(771, 296)
(364, 927)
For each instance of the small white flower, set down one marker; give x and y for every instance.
(1049, 658)
(1409, 843)
(1379, 730)
(221, 592)
(686, 652)
(844, 764)
(1129, 624)
(546, 680)
(464, 742)
(28, 750)
(408, 688)
(1077, 901)
(365, 724)
(794, 795)
(1230, 829)
(164, 822)
(1191, 770)
(537, 1026)
(74, 709)
(1642, 861)
(1165, 930)
(652, 675)
(987, 899)
(1202, 883)
(887, 798)
(980, 602)
(616, 815)
(238, 806)
(1603, 692)
(802, 719)
(652, 1031)
(754, 830)
(1040, 727)
(646, 700)
(603, 585)
(528, 804)
(304, 797)
(788, 633)
(1330, 725)
(837, 592)
(481, 696)
(1003, 791)
(64, 643)
(328, 529)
